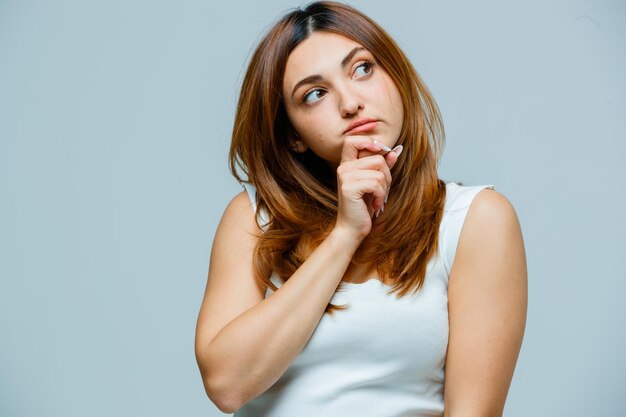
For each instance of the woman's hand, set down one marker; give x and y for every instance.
(363, 180)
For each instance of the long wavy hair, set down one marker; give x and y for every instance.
(298, 191)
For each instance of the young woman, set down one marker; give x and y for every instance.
(347, 279)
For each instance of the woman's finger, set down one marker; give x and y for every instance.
(354, 144)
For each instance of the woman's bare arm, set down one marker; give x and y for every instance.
(487, 300)
(248, 353)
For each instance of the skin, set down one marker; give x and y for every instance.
(487, 305)
(345, 94)
(487, 289)
(320, 112)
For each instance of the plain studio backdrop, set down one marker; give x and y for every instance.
(115, 123)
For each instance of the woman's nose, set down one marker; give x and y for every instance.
(349, 102)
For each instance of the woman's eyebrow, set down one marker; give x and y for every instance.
(317, 78)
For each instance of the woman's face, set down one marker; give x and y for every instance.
(341, 86)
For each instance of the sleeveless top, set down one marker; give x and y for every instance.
(382, 357)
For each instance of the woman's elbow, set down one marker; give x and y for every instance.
(224, 397)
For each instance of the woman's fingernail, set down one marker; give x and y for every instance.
(398, 150)
(386, 197)
(377, 213)
(382, 145)
(382, 209)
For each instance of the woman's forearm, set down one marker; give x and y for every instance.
(254, 350)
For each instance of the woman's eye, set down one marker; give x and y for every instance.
(367, 65)
(311, 94)
(318, 93)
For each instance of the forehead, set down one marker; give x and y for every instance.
(320, 53)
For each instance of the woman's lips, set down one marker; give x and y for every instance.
(363, 128)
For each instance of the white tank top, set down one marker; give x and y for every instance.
(383, 356)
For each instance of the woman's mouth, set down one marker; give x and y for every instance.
(363, 128)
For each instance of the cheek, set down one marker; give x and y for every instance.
(389, 92)
(315, 130)
(318, 120)
(300, 120)
(308, 125)
(393, 100)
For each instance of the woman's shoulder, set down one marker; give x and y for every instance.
(489, 211)
(491, 206)
(460, 197)
(249, 197)
(480, 216)
(240, 209)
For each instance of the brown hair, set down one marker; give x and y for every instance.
(299, 190)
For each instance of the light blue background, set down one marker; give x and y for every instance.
(115, 122)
